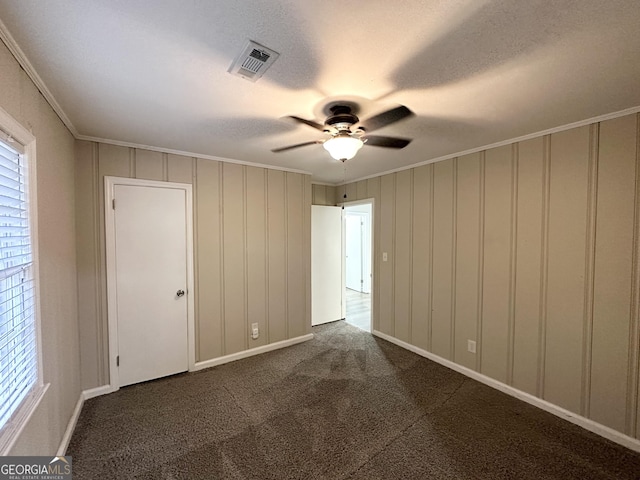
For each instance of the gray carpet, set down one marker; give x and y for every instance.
(344, 405)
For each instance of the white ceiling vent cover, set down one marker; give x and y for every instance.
(254, 60)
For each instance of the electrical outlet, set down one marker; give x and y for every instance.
(255, 331)
(471, 346)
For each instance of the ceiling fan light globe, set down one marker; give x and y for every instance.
(343, 148)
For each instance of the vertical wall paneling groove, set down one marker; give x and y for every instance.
(633, 402)
(306, 230)
(286, 255)
(479, 342)
(180, 169)
(148, 164)
(165, 167)
(196, 257)
(296, 283)
(361, 190)
(330, 195)
(317, 196)
(633, 410)
(402, 270)
(497, 244)
(430, 277)
(132, 163)
(255, 244)
(589, 274)
(544, 263)
(373, 191)
(421, 246)
(266, 333)
(234, 198)
(209, 281)
(566, 283)
(409, 287)
(351, 191)
(276, 232)
(513, 254)
(245, 273)
(612, 272)
(454, 257)
(443, 257)
(528, 254)
(430, 256)
(392, 320)
(102, 335)
(222, 262)
(467, 256)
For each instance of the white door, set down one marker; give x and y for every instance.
(354, 257)
(151, 282)
(326, 264)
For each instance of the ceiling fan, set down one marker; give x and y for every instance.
(347, 133)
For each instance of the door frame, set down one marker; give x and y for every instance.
(373, 293)
(110, 248)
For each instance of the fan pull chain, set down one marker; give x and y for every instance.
(344, 178)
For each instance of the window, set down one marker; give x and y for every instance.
(20, 371)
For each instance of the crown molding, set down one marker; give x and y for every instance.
(188, 154)
(24, 62)
(562, 128)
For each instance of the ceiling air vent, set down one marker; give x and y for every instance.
(254, 60)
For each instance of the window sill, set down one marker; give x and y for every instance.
(12, 430)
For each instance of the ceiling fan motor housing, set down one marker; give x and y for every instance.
(341, 117)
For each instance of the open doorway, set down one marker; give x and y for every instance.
(357, 263)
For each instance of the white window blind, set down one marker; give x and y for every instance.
(18, 342)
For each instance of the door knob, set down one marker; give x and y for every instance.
(180, 293)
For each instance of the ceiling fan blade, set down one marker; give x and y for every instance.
(387, 142)
(290, 147)
(385, 118)
(311, 123)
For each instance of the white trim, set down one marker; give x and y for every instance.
(23, 414)
(561, 128)
(71, 426)
(109, 185)
(21, 418)
(75, 416)
(188, 154)
(326, 184)
(354, 203)
(98, 391)
(22, 60)
(251, 352)
(586, 423)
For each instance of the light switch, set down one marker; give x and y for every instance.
(384, 256)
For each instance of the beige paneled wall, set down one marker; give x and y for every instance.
(323, 195)
(55, 210)
(532, 250)
(251, 239)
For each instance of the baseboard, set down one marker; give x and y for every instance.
(586, 423)
(251, 352)
(96, 392)
(71, 426)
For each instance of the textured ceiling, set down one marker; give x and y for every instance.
(154, 72)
